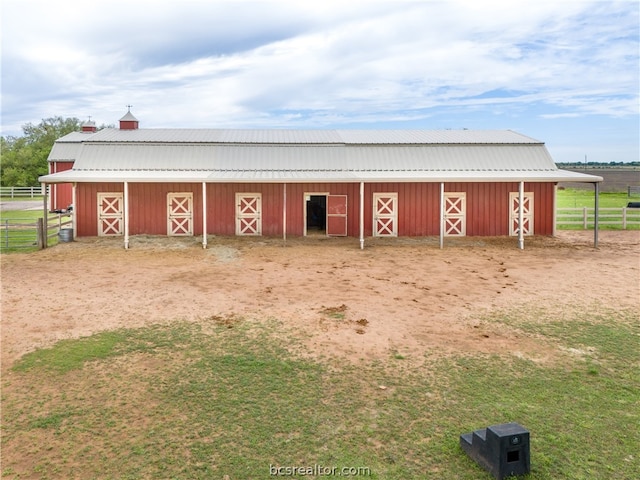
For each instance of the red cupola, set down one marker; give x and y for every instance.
(89, 126)
(129, 122)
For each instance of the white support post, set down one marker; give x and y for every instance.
(441, 214)
(126, 215)
(45, 227)
(596, 214)
(74, 211)
(53, 197)
(284, 213)
(361, 215)
(555, 208)
(520, 216)
(204, 214)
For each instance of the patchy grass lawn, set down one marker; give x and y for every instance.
(230, 396)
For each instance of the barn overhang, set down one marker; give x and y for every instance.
(316, 176)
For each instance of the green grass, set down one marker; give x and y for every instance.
(609, 220)
(72, 354)
(23, 240)
(19, 240)
(27, 215)
(204, 401)
(578, 198)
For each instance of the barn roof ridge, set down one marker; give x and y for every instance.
(224, 136)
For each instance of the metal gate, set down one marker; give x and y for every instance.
(527, 213)
(337, 215)
(455, 214)
(385, 214)
(248, 214)
(110, 214)
(179, 214)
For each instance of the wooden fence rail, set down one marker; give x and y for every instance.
(26, 233)
(21, 192)
(623, 218)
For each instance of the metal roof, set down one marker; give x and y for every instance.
(307, 155)
(66, 148)
(129, 117)
(112, 156)
(285, 136)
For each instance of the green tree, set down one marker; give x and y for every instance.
(24, 158)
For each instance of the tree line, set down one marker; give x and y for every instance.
(24, 158)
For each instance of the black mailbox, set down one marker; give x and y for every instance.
(502, 449)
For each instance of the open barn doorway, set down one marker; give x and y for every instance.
(315, 214)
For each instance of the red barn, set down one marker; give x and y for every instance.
(357, 183)
(61, 158)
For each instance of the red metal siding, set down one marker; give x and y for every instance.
(488, 206)
(61, 193)
(86, 208)
(148, 206)
(418, 206)
(221, 207)
(543, 206)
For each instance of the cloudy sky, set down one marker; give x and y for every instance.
(564, 71)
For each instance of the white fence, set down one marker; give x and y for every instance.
(623, 218)
(21, 192)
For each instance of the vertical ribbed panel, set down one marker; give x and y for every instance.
(418, 206)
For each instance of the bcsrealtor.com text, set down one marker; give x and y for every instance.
(317, 471)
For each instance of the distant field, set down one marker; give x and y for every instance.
(615, 179)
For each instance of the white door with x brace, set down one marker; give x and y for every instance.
(455, 214)
(527, 213)
(110, 214)
(385, 214)
(248, 214)
(179, 214)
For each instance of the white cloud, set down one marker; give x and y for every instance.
(213, 63)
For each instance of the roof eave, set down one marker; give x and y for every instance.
(347, 176)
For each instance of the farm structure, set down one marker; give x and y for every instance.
(358, 183)
(62, 158)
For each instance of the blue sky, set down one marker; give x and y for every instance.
(564, 72)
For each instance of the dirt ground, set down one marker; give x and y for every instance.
(397, 295)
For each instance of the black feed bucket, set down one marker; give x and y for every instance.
(65, 235)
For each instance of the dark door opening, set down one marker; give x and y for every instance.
(317, 214)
